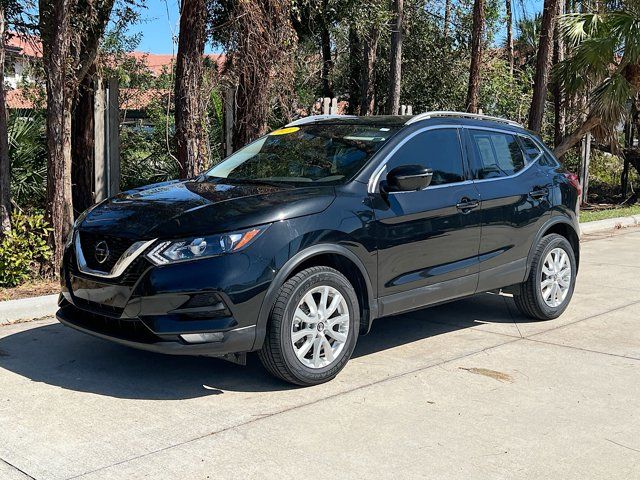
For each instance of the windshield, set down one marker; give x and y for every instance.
(327, 154)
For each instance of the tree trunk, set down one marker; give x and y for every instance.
(395, 72)
(573, 138)
(82, 145)
(559, 124)
(262, 54)
(509, 36)
(355, 69)
(5, 167)
(367, 98)
(55, 28)
(476, 56)
(190, 103)
(543, 61)
(327, 61)
(447, 18)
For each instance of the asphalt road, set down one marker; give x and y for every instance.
(465, 390)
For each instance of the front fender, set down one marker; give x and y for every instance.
(290, 266)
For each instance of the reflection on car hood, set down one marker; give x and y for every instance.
(192, 207)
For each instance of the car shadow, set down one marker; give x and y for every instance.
(56, 355)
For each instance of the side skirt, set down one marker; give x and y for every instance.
(428, 295)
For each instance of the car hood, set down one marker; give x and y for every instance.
(197, 207)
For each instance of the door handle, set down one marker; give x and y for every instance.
(539, 193)
(466, 205)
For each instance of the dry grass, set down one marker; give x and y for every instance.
(33, 288)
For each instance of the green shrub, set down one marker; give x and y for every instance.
(24, 249)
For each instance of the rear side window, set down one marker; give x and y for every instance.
(498, 154)
(438, 150)
(531, 150)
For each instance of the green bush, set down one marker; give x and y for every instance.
(24, 249)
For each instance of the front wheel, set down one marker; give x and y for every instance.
(313, 327)
(548, 289)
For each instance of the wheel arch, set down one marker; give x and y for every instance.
(561, 226)
(330, 255)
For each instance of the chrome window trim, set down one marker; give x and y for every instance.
(120, 266)
(374, 180)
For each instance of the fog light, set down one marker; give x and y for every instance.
(202, 337)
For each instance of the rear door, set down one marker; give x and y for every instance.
(515, 193)
(428, 240)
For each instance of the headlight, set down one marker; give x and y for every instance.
(202, 247)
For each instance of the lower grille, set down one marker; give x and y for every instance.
(133, 330)
(97, 308)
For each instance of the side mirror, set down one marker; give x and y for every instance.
(408, 178)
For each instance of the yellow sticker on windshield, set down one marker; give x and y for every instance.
(285, 131)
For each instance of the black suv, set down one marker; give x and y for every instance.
(292, 246)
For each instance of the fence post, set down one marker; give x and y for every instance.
(106, 134)
(229, 109)
(113, 135)
(326, 104)
(403, 110)
(409, 110)
(334, 106)
(584, 166)
(99, 145)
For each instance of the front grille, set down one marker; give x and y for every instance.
(117, 246)
(128, 278)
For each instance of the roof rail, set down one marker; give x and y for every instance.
(316, 118)
(476, 116)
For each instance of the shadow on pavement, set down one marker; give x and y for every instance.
(63, 357)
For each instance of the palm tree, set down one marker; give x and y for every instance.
(604, 62)
(525, 43)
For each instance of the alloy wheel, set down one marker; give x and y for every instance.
(320, 327)
(556, 277)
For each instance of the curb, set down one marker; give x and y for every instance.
(609, 224)
(17, 311)
(24, 309)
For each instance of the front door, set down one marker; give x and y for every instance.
(428, 240)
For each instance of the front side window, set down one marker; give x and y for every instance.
(309, 154)
(438, 150)
(498, 154)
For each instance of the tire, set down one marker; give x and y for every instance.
(529, 297)
(279, 354)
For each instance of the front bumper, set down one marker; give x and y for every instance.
(150, 307)
(136, 333)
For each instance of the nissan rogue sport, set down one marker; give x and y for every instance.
(293, 245)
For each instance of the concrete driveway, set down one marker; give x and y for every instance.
(466, 390)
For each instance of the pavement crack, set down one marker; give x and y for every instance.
(513, 320)
(589, 317)
(17, 469)
(623, 446)
(582, 349)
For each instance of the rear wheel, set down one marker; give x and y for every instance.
(313, 327)
(548, 289)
